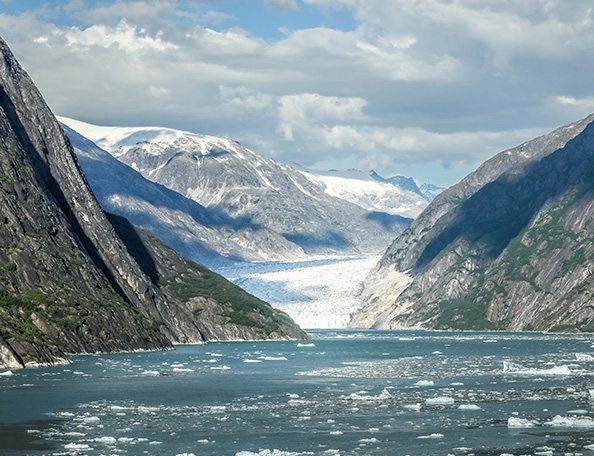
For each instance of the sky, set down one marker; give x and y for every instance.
(424, 88)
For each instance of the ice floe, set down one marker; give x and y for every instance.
(514, 368)
(440, 400)
(520, 423)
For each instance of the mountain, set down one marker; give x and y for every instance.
(72, 279)
(205, 236)
(510, 247)
(430, 191)
(369, 191)
(277, 207)
(427, 191)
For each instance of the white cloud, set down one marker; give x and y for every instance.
(126, 37)
(282, 6)
(404, 82)
(300, 113)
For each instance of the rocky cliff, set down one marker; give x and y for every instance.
(509, 247)
(68, 282)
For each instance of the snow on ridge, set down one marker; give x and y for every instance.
(118, 140)
(369, 193)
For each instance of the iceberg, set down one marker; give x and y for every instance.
(520, 423)
(514, 368)
(584, 357)
(571, 422)
(440, 400)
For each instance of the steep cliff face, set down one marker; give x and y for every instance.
(68, 283)
(509, 247)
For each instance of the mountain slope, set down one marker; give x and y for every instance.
(509, 247)
(205, 236)
(371, 192)
(254, 191)
(68, 283)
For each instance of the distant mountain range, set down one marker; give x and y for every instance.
(510, 247)
(212, 199)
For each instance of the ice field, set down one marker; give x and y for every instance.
(344, 393)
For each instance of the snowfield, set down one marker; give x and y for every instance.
(320, 293)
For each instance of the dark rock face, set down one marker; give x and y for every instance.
(68, 283)
(509, 247)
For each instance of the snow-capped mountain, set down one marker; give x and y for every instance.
(430, 191)
(248, 190)
(370, 191)
(191, 229)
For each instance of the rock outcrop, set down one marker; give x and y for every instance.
(68, 283)
(510, 247)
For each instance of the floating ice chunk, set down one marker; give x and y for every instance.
(218, 408)
(431, 436)
(584, 357)
(106, 440)
(520, 423)
(145, 409)
(469, 407)
(220, 368)
(88, 419)
(508, 366)
(416, 407)
(385, 394)
(178, 369)
(436, 352)
(178, 365)
(151, 372)
(440, 400)
(6, 374)
(305, 345)
(267, 453)
(371, 440)
(490, 341)
(425, 383)
(185, 454)
(571, 422)
(274, 358)
(513, 368)
(78, 446)
(336, 432)
(578, 412)
(252, 360)
(205, 441)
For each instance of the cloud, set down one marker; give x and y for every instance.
(402, 82)
(299, 113)
(282, 6)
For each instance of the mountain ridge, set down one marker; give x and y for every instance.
(497, 250)
(255, 191)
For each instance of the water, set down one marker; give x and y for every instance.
(346, 393)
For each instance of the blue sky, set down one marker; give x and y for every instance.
(426, 88)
